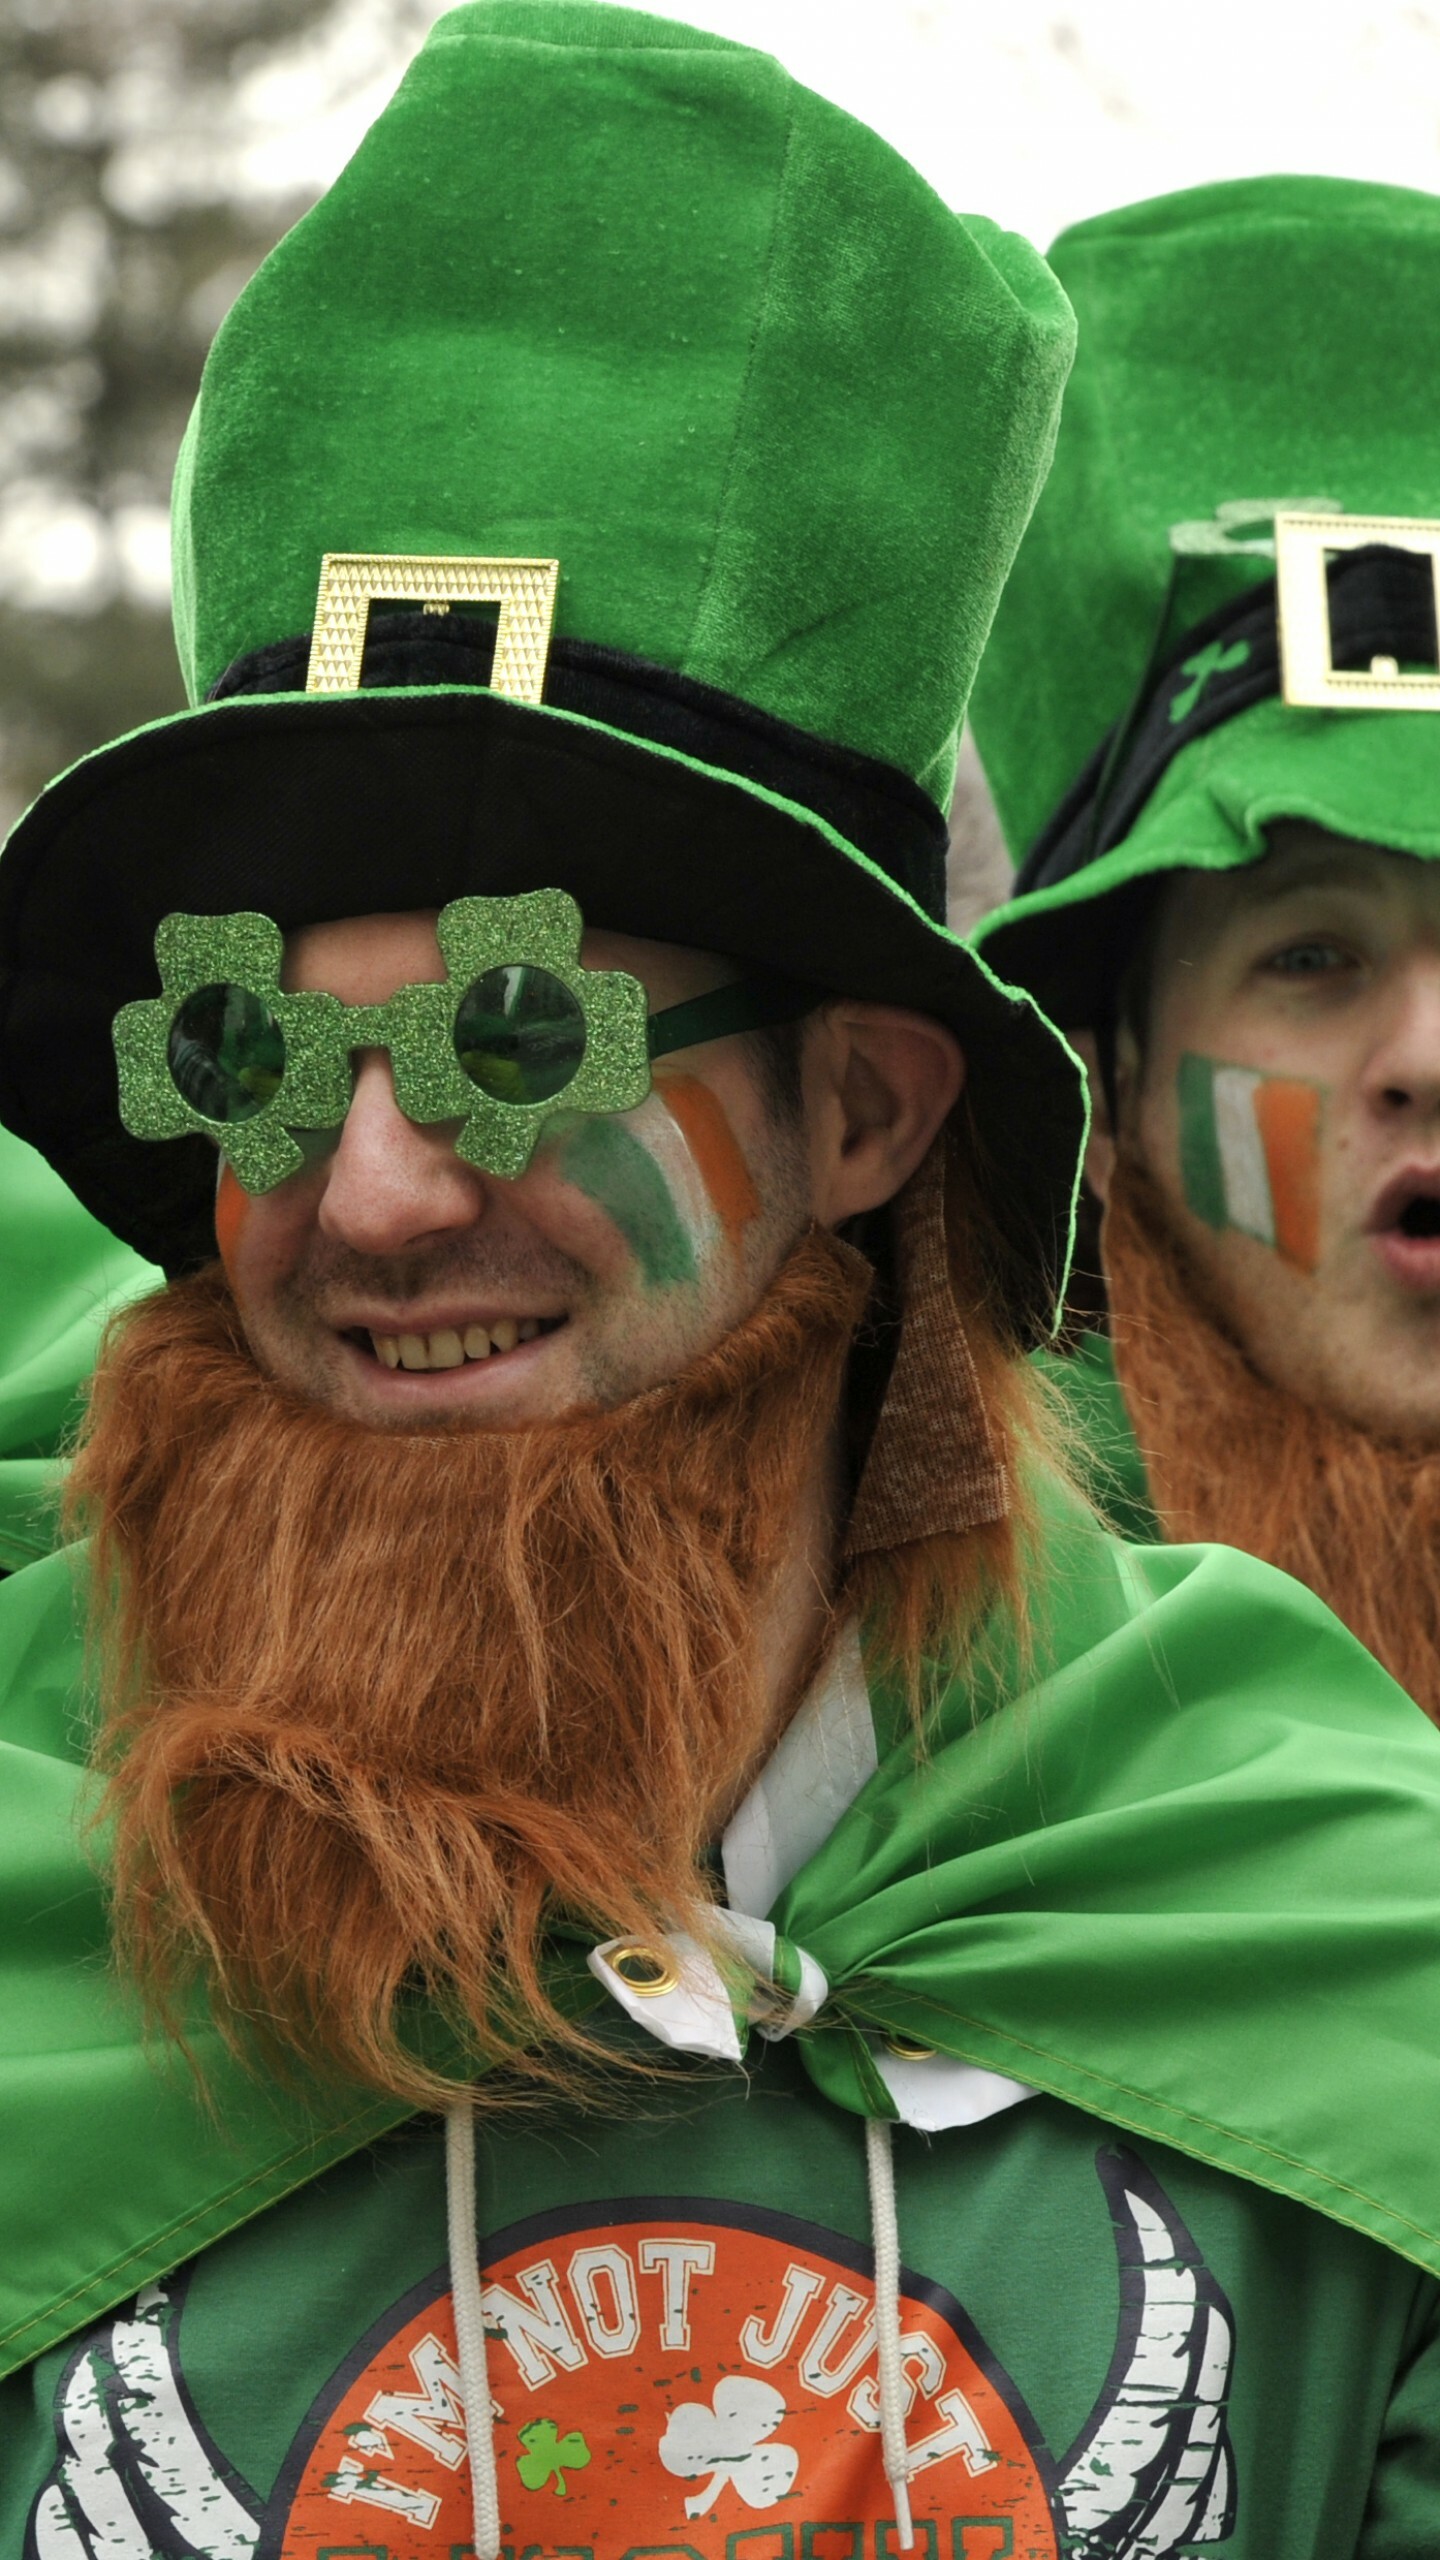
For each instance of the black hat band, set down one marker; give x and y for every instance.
(872, 805)
(1382, 603)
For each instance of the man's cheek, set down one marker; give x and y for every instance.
(1250, 1154)
(671, 1180)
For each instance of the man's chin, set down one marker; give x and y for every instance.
(1346, 1340)
(1380, 1377)
(1364, 1352)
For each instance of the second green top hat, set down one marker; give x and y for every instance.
(1268, 345)
(601, 290)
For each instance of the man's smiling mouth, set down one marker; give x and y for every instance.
(450, 1346)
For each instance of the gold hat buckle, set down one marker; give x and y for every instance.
(351, 581)
(1309, 675)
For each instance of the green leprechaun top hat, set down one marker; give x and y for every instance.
(1257, 365)
(614, 325)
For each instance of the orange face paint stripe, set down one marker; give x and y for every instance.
(232, 1208)
(1288, 1118)
(701, 1119)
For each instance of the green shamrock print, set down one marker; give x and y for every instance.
(547, 2452)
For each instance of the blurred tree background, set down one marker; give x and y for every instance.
(151, 151)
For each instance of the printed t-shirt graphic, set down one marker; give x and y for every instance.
(678, 2378)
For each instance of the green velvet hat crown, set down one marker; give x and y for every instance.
(600, 290)
(1266, 345)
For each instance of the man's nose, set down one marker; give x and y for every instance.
(1402, 1072)
(393, 1184)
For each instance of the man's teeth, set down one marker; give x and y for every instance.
(450, 1350)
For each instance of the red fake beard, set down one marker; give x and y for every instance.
(1232, 1458)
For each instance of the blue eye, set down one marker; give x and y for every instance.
(1308, 960)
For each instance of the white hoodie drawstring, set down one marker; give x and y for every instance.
(470, 2326)
(885, 2235)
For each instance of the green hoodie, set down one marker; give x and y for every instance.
(1171, 2286)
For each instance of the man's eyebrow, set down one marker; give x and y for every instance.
(1263, 886)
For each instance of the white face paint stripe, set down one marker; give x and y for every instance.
(1242, 1156)
(665, 1141)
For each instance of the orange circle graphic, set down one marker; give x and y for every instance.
(677, 2388)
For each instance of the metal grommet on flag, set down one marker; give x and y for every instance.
(648, 1972)
(676, 1989)
(909, 2049)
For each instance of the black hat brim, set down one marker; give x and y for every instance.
(309, 808)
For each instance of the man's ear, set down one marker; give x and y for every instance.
(879, 1083)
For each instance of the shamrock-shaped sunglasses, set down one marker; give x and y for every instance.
(518, 1030)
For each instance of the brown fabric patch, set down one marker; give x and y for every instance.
(933, 1468)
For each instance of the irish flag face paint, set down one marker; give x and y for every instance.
(699, 1114)
(232, 1208)
(1250, 1154)
(670, 1176)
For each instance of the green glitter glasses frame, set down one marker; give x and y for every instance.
(518, 1031)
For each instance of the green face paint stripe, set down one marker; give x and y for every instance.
(612, 1168)
(1202, 1175)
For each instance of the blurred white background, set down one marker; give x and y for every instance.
(1031, 110)
(150, 151)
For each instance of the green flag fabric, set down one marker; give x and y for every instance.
(61, 1275)
(1103, 1445)
(1184, 1873)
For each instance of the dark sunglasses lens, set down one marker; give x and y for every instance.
(519, 1034)
(227, 1053)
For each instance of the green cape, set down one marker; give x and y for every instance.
(61, 1275)
(1106, 1451)
(1189, 1879)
